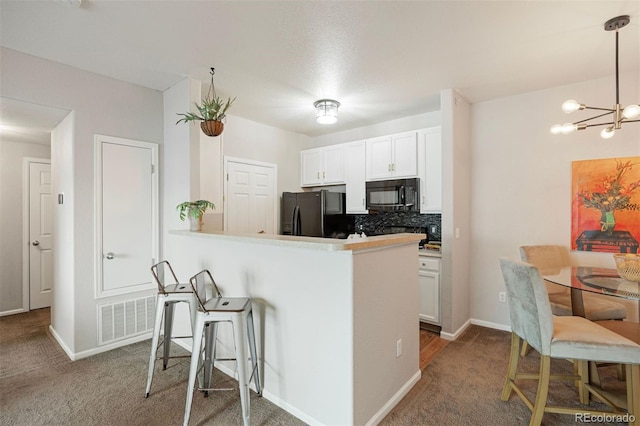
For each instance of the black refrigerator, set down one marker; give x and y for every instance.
(315, 214)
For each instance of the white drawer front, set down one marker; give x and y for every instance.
(429, 263)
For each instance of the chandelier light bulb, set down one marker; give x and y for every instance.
(568, 128)
(571, 106)
(607, 133)
(617, 116)
(631, 112)
(556, 129)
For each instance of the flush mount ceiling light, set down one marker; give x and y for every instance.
(326, 111)
(619, 115)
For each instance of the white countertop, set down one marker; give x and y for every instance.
(314, 243)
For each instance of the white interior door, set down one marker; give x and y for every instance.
(127, 215)
(251, 199)
(40, 226)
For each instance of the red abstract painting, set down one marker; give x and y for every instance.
(605, 206)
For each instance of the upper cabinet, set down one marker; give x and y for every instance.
(322, 166)
(354, 177)
(430, 169)
(393, 156)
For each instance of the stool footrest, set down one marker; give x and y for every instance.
(216, 389)
(174, 357)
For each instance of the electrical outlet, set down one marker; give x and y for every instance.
(502, 297)
(433, 229)
(398, 348)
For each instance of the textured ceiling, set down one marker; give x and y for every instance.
(381, 59)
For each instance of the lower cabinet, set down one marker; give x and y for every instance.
(429, 282)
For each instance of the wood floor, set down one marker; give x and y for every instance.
(430, 343)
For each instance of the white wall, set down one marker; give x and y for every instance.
(63, 293)
(251, 140)
(414, 122)
(11, 164)
(101, 105)
(456, 212)
(521, 178)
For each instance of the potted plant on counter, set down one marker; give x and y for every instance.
(194, 210)
(212, 112)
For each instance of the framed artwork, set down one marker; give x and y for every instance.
(605, 205)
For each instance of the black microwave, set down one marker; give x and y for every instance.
(397, 194)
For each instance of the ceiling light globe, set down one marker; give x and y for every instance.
(570, 106)
(326, 111)
(327, 119)
(556, 129)
(568, 128)
(607, 133)
(631, 112)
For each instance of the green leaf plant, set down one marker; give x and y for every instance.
(213, 108)
(194, 209)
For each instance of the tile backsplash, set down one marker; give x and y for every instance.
(369, 223)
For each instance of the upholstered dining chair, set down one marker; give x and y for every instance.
(564, 337)
(596, 308)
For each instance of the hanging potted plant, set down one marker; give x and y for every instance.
(194, 210)
(212, 112)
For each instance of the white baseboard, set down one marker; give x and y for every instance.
(290, 408)
(74, 356)
(114, 345)
(61, 342)
(13, 312)
(463, 328)
(457, 333)
(395, 399)
(493, 325)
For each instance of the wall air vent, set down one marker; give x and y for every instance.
(125, 319)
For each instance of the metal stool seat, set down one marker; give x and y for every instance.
(170, 292)
(213, 309)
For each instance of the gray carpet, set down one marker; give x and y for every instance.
(462, 386)
(40, 386)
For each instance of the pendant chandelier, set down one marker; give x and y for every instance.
(326, 111)
(619, 114)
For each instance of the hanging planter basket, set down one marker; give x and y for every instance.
(211, 112)
(212, 127)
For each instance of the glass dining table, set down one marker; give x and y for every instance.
(595, 280)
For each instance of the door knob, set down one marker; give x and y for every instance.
(109, 256)
(36, 243)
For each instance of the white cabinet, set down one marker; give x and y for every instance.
(430, 169)
(393, 156)
(322, 166)
(429, 282)
(354, 176)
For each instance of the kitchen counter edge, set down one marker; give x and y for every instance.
(429, 253)
(314, 243)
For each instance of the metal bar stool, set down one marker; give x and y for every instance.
(170, 292)
(212, 309)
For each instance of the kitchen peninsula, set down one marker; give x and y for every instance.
(336, 320)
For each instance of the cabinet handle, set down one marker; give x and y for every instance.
(323, 175)
(393, 167)
(423, 199)
(318, 175)
(388, 167)
(363, 201)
